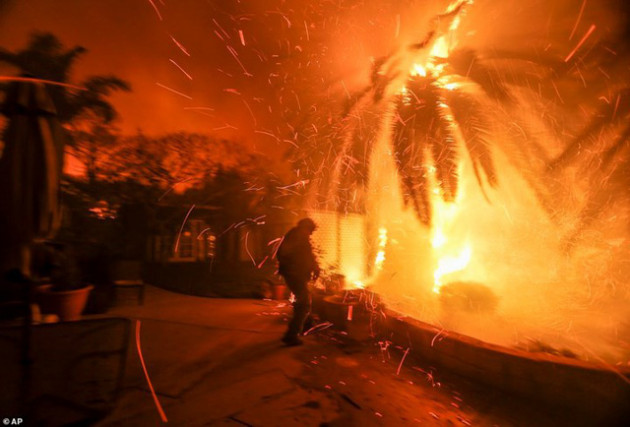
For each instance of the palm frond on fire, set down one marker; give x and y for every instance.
(434, 100)
(440, 108)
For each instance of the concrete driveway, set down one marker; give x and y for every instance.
(220, 362)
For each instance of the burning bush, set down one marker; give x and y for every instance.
(468, 296)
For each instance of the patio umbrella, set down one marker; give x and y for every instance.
(30, 171)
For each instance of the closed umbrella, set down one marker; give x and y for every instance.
(30, 171)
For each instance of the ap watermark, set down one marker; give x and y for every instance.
(12, 421)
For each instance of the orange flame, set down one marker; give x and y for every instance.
(440, 49)
(380, 255)
(451, 256)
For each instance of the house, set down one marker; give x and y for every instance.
(199, 251)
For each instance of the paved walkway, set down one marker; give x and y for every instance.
(220, 362)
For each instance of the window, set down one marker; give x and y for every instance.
(189, 244)
(211, 244)
(186, 246)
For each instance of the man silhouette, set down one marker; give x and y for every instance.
(297, 265)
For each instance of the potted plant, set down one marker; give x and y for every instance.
(280, 291)
(61, 292)
(333, 282)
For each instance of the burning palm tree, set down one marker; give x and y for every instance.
(439, 96)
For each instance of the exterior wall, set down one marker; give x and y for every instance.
(341, 243)
(215, 259)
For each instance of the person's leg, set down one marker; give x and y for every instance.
(301, 310)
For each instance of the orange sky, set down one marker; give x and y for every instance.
(126, 39)
(245, 60)
(258, 68)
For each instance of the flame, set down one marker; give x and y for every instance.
(379, 260)
(418, 70)
(358, 284)
(440, 49)
(450, 86)
(448, 265)
(380, 255)
(452, 255)
(509, 252)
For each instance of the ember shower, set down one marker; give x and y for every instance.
(494, 185)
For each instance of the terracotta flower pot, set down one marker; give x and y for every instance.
(279, 291)
(348, 316)
(335, 284)
(68, 305)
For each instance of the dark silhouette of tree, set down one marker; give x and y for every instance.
(85, 112)
(46, 58)
(186, 159)
(93, 140)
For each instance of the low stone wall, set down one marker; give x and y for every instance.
(596, 389)
(601, 392)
